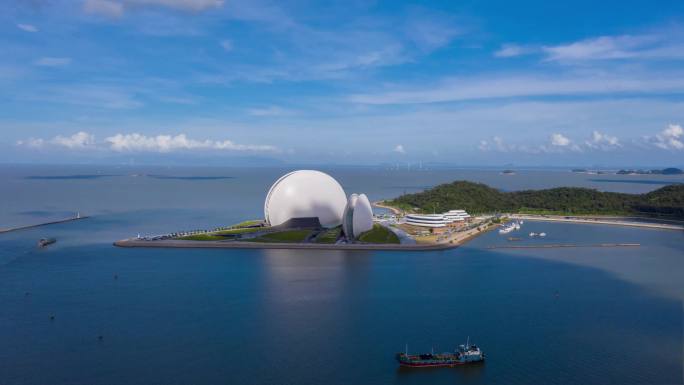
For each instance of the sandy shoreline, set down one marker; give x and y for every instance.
(615, 221)
(381, 204)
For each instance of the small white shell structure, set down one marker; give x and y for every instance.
(358, 216)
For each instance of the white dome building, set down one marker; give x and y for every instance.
(358, 216)
(305, 194)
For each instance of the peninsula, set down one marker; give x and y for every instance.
(308, 209)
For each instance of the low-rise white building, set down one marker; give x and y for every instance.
(426, 220)
(456, 216)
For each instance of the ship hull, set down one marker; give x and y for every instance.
(433, 365)
(417, 363)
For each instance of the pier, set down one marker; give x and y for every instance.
(71, 219)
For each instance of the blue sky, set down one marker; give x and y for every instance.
(349, 82)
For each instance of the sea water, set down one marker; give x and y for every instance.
(179, 316)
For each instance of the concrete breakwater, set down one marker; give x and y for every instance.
(76, 218)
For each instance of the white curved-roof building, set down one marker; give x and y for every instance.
(305, 194)
(358, 216)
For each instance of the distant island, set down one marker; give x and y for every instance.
(478, 198)
(665, 171)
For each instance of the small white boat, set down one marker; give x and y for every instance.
(507, 229)
(542, 234)
(533, 234)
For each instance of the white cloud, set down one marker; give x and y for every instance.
(27, 27)
(167, 143)
(306, 50)
(108, 8)
(497, 143)
(270, 111)
(557, 143)
(116, 8)
(399, 148)
(430, 30)
(53, 61)
(141, 143)
(527, 85)
(79, 140)
(189, 5)
(227, 45)
(31, 142)
(670, 138)
(559, 140)
(512, 50)
(655, 46)
(602, 141)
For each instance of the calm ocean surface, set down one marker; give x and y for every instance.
(542, 316)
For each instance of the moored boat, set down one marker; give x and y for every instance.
(465, 354)
(46, 241)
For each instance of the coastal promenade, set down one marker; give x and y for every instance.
(7, 230)
(616, 221)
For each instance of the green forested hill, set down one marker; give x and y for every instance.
(480, 198)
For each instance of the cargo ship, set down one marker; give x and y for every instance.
(465, 354)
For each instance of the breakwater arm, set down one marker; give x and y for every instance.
(76, 218)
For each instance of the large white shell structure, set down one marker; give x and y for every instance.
(358, 216)
(305, 194)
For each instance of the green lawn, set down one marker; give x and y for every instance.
(244, 230)
(289, 236)
(329, 236)
(379, 234)
(248, 223)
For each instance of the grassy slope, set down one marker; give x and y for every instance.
(289, 236)
(329, 236)
(240, 228)
(379, 234)
(244, 230)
